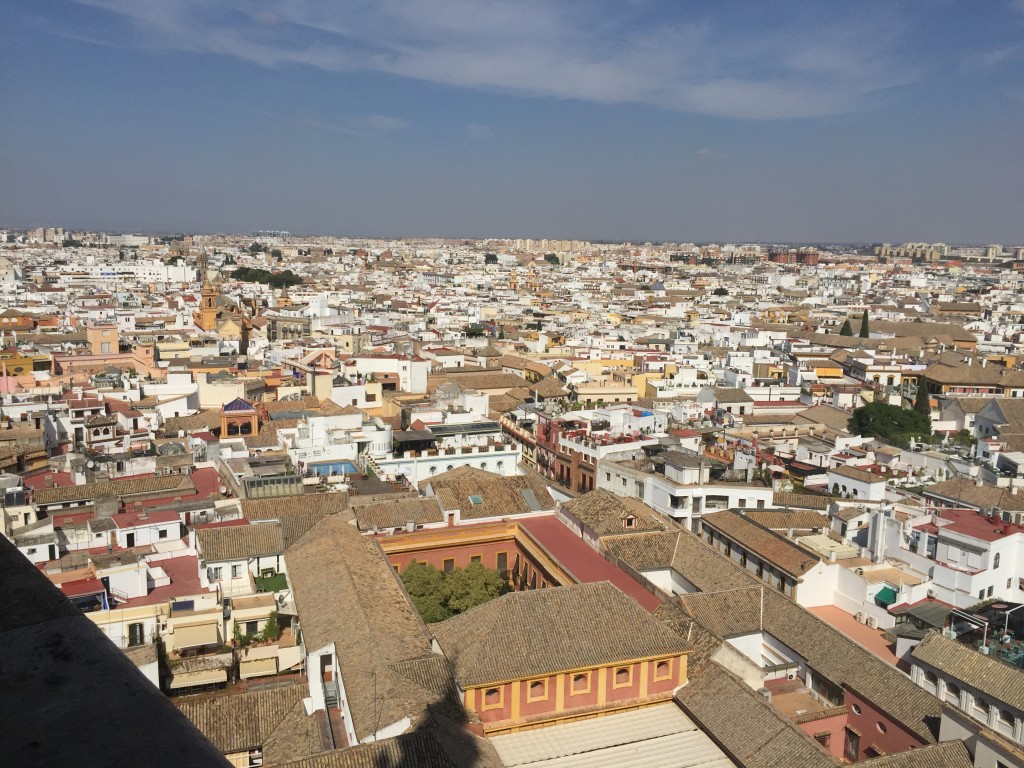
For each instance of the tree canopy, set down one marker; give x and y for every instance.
(890, 422)
(721, 292)
(846, 330)
(273, 279)
(490, 258)
(438, 596)
(864, 331)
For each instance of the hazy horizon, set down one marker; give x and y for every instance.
(636, 121)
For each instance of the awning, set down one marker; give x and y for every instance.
(886, 596)
(257, 667)
(202, 677)
(194, 636)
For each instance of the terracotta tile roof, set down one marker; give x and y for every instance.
(499, 496)
(395, 513)
(297, 514)
(135, 486)
(239, 542)
(450, 747)
(605, 513)
(855, 473)
(777, 520)
(963, 663)
(745, 725)
(537, 632)
(197, 422)
(951, 754)
(963, 491)
(767, 545)
(801, 500)
(829, 652)
(244, 721)
(348, 596)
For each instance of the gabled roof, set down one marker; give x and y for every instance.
(745, 725)
(831, 653)
(477, 493)
(239, 542)
(767, 545)
(245, 721)
(541, 631)
(604, 512)
(962, 662)
(348, 596)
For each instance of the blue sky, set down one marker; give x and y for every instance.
(685, 121)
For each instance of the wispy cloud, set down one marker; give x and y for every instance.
(478, 131)
(546, 48)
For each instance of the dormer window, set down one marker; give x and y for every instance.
(629, 522)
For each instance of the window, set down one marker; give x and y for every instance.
(988, 593)
(252, 627)
(162, 534)
(136, 634)
(995, 561)
(952, 693)
(537, 691)
(580, 683)
(217, 573)
(823, 738)
(475, 559)
(856, 709)
(623, 677)
(881, 727)
(629, 522)
(663, 671)
(607, 477)
(981, 708)
(494, 698)
(930, 678)
(1006, 717)
(502, 563)
(449, 565)
(852, 746)
(743, 558)
(236, 571)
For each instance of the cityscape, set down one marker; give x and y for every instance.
(454, 385)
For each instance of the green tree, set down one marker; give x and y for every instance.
(490, 258)
(271, 630)
(255, 247)
(864, 331)
(551, 259)
(425, 585)
(465, 588)
(721, 292)
(890, 422)
(276, 253)
(846, 330)
(438, 596)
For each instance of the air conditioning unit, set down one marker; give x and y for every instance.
(859, 571)
(872, 622)
(791, 676)
(765, 694)
(931, 593)
(859, 617)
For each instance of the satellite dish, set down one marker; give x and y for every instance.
(91, 464)
(223, 489)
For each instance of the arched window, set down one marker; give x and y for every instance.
(538, 691)
(930, 678)
(623, 677)
(581, 682)
(995, 561)
(492, 697)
